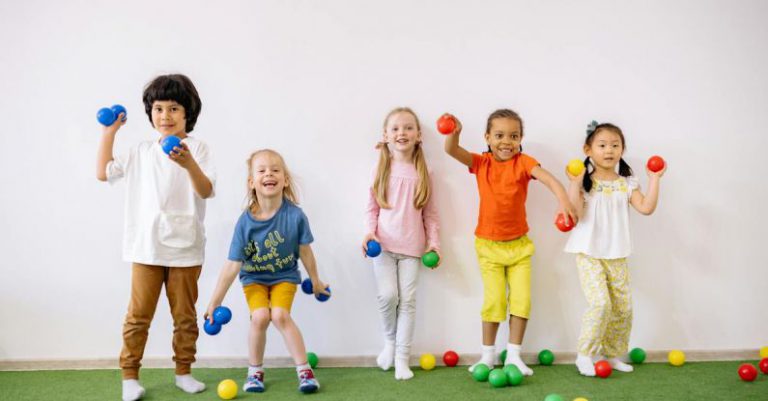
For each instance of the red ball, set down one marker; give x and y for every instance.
(560, 223)
(603, 369)
(446, 124)
(450, 358)
(655, 163)
(764, 365)
(747, 372)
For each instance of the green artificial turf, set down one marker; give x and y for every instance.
(693, 381)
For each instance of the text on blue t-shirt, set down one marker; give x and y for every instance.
(269, 249)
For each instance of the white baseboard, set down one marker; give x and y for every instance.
(344, 361)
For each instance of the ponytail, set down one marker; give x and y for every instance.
(624, 169)
(586, 182)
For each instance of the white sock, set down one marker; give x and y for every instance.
(132, 390)
(387, 355)
(619, 365)
(487, 358)
(189, 384)
(585, 365)
(513, 358)
(253, 369)
(402, 370)
(305, 366)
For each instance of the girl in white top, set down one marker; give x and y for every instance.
(602, 243)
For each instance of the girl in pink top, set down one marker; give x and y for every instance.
(402, 217)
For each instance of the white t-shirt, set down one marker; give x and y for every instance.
(603, 231)
(163, 214)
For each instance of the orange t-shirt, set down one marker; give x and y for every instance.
(503, 188)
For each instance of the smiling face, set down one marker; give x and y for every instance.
(605, 150)
(504, 138)
(268, 175)
(402, 133)
(169, 118)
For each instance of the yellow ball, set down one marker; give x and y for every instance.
(676, 358)
(427, 361)
(227, 389)
(575, 167)
(580, 399)
(763, 352)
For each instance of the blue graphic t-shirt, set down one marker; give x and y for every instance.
(269, 249)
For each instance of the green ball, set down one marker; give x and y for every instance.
(497, 378)
(514, 375)
(637, 355)
(546, 357)
(553, 397)
(430, 259)
(312, 359)
(481, 372)
(503, 357)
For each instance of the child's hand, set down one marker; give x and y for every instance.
(439, 256)
(368, 237)
(567, 209)
(456, 130)
(112, 129)
(208, 315)
(182, 156)
(319, 287)
(657, 174)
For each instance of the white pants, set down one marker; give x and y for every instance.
(396, 278)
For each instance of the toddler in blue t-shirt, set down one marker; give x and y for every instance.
(270, 238)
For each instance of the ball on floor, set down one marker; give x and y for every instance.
(227, 389)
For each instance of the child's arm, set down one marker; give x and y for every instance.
(566, 208)
(575, 191)
(308, 260)
(371, 220)
(452, 145)
(104, 155)
(226, 277)
(647, 204)
(432, 224)
(200, 182)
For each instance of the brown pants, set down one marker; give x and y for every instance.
(181, 289)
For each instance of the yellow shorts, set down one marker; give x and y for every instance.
(502, 264)
(279, 295)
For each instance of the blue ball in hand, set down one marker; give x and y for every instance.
(169, 142)
(222, 315)
(117, 109)
(322, 297)
(211, 328)
(106, 116)
(374, 248)
(306, 286)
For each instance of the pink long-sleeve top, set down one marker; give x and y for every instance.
(402, 228)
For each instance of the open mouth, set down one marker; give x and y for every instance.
(269, 184)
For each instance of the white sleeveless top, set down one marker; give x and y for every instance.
(603, 231)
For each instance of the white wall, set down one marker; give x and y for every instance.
(313, 79)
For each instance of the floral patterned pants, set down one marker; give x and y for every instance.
(606, 324)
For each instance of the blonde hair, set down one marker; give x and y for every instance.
(422, 194)
(290, 191)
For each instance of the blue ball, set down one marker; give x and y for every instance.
(117, 109)
(374, 248)
(323, 297)
(169, 142)
(106, 116)
(222, 315)
(306, 286)
(211, 328)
